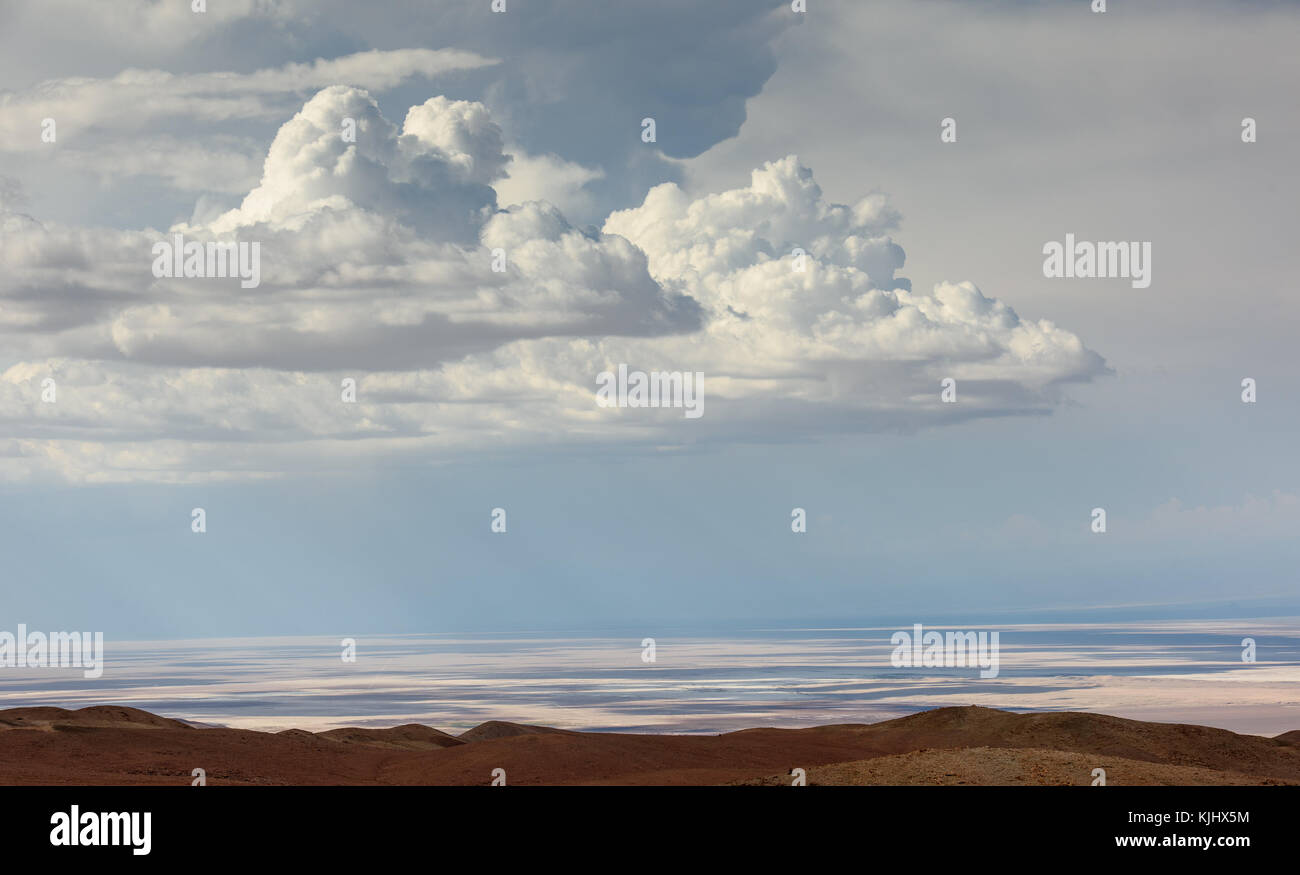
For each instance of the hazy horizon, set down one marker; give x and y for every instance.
(1179, 671)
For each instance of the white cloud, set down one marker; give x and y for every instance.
(132, 98)
(845, 318)
(548, 178)
(122, 127)
(376, 265)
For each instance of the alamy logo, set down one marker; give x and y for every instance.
(98, 828)
(56, 650)
(919, 648)
(1085, 260)
(655, 389)
(216, 259)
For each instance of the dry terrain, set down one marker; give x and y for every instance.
(970, 745)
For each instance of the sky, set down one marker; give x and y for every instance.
(523, 133)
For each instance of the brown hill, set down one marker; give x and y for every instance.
(500, 729)
(1170, 743)
(409, 736)
(96, 716)
(949, 745)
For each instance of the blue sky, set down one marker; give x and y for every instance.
(326, 519)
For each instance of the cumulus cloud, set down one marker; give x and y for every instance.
(377, 265)
(570, 85)
(840, 326)
(126, 126)
(376, 254)
(548, 178)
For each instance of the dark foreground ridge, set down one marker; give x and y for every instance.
(110, 745)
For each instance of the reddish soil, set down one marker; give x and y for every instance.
(120, 746)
